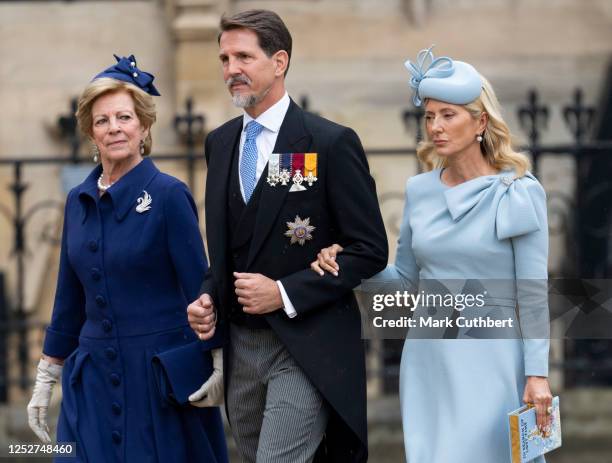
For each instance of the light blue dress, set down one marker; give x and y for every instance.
(455, 393)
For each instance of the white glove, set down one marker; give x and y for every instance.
(47, 375)
(211, 392)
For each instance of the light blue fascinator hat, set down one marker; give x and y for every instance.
(443, 79)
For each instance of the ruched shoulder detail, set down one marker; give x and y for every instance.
(513, 199)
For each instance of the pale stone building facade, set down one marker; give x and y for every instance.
(348, 59)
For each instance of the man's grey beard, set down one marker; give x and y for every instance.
(245, 101)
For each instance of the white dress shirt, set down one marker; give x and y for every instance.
(271, 120)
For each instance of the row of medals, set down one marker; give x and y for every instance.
(283, 176)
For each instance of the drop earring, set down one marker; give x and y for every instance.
(96, 153)
(142, 147)
(479, 138)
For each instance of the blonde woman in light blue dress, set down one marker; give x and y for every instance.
(478, 214)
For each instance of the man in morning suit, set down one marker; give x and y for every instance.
(282, 184)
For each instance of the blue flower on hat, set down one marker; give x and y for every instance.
(427, 66)
(127, 70)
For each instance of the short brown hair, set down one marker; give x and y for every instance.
(270, 29)
(143, 105)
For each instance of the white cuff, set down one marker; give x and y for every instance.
(287, 305)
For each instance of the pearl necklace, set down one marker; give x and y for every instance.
(101, 186)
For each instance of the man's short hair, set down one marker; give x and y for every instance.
(270, 29)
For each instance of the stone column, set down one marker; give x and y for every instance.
(194, 25)
(416, 11)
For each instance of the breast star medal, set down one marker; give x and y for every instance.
(299, 230)
(144, 202)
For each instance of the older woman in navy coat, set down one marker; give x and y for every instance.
(131, 257)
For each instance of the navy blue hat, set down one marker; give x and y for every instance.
(443, 79)
(127, 71)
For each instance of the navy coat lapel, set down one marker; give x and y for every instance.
(292, 138)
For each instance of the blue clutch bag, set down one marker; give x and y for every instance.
(180, 371)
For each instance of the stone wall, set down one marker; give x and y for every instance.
(50, 51)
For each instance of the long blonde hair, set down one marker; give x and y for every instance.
(143, 105)
(496, 145)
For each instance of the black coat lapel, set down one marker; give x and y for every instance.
(217, 185)
(292, 138)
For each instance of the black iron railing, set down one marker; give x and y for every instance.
(24, 334)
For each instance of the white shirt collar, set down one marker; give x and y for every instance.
(271, 118)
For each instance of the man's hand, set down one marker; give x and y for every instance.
(257, 294)
(201, 317)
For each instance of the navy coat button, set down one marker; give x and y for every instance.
(100, 300)
(107, 325)
(116, 408)
(95, 274)
(115, 379)
(116, 437)
(111, 353)
(93, 245)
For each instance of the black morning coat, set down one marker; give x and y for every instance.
(325, 336)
